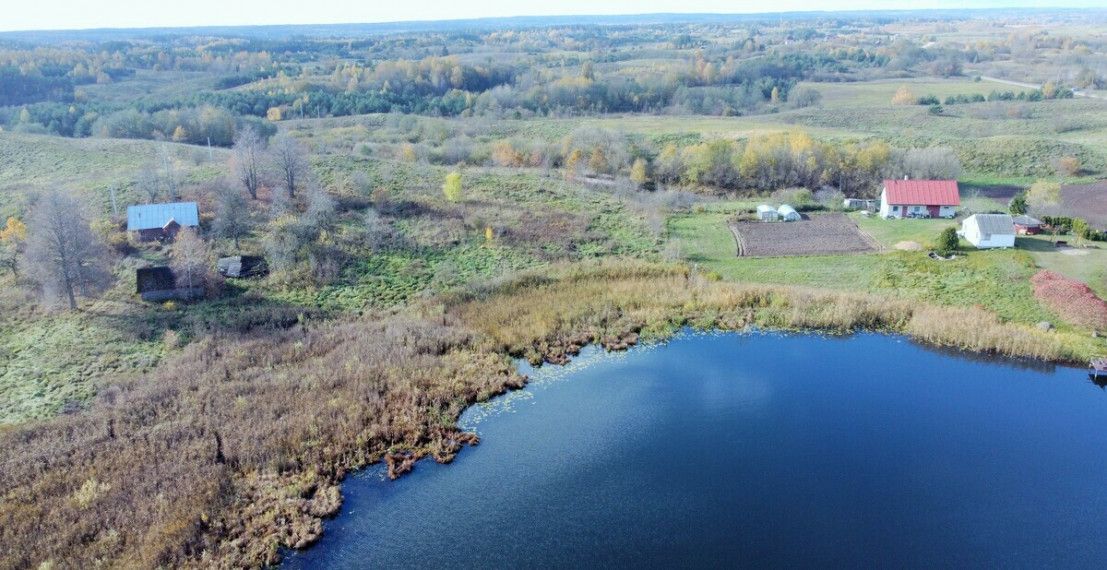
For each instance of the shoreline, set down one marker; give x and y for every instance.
(593, 353)
(273, 424)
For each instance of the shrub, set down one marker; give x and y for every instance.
(452, 187)
(1068, 166)
(904, 96)
(947, 240)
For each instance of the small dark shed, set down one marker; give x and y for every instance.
(159, 284)
(1027, 226)
(155, 283)
(243, 266)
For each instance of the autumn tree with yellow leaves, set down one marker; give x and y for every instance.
(12, 240)
(452, 187)
(904, 96)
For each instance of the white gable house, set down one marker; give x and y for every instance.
(989, 230)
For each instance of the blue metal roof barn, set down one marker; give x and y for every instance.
(155, 216)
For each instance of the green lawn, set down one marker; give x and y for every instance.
(1088, 265)
(890, 232)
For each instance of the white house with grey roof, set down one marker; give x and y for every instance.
(989, 230)
(162, 221)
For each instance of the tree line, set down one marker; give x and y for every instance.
(761, 163)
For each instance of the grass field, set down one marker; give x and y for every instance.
(89, 167)
(1088, 265)
(537, 219)
(871, 94)
(890, 232)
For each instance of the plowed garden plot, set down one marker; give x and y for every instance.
(1088, 201)
(817, 234)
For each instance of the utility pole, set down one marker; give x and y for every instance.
(168, 174)
(114, 204)
(211, 157)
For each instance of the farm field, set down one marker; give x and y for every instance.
(706, 241)
(817, 234)
(1089, 200)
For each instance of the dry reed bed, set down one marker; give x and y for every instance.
(528, 315)
(232, 449)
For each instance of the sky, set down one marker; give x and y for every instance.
(86, 14)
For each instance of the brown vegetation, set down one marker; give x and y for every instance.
(538, 316)
(231, 450)
(1070, 299)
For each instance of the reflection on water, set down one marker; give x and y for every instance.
(754, 450)
(1016, 363)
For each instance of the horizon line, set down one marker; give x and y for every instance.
(492, 19)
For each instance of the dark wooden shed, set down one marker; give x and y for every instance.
(155, 283)
(160, 284)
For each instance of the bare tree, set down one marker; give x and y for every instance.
(149, 181)
(232, 214)
(247, 158)
(63, 255)
(933, 163)
(190, 258)
(321, 209)
(290, 159)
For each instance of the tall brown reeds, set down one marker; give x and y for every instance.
(231, 450)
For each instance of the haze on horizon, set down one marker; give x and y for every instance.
(82, 14)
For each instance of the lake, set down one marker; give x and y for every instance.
(754, 450)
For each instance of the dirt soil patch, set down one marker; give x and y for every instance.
(908, 245)
(1088, 201)
(814, 235)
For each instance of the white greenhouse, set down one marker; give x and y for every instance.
(767, 213)
(788, 213)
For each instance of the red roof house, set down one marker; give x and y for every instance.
(919, 199)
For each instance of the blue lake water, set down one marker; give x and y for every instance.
(754, 450)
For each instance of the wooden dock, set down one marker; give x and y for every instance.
(1097, 368)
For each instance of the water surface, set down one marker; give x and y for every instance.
(754, 450)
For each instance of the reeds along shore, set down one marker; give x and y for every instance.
(527, 315)
(232, 449)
